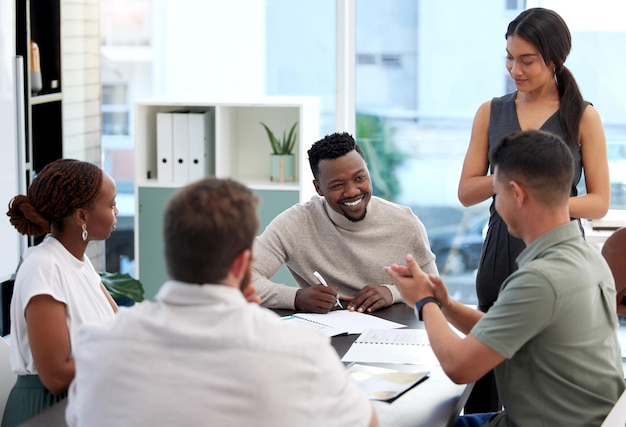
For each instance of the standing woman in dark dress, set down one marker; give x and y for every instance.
(547, 98)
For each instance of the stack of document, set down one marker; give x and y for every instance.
(410, 346)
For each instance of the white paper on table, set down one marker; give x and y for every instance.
(328, 330)
(408, 346)
(351, 322)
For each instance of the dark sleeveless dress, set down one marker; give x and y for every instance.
(500, 249)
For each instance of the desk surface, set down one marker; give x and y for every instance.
(435, 402)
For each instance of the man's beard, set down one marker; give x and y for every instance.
(361, 218)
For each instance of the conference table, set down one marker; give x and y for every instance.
(435, 402)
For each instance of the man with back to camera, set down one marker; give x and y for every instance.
(551, 335)
(345, 233)
(200, 354)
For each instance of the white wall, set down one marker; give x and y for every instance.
(82, 90)
(231, 46)
(8, 144)
(80, 62)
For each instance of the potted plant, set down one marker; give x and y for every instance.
(282, 161)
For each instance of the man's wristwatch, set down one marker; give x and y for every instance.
(421, 303)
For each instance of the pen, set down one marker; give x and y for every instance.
(323, 282)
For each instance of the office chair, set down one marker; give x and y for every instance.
(614, 252)
(7, 375)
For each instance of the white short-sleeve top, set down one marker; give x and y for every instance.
(50, 269)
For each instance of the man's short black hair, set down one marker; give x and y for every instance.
(331, 147)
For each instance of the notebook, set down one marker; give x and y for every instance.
(339, 322)
(328, 330)
(410, 346)
(385, 383)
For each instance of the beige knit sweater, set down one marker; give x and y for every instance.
(350, 255)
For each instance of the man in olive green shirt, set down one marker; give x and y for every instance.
(551, 336)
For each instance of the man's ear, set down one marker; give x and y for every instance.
(317, 188)
(239, 266)
(520, 192)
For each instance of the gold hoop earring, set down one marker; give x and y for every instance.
(85, 234)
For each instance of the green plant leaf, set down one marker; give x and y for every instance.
(273, 141)
(122, 285)
(284, 145)
(291, 139)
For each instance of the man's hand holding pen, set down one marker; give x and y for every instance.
(323, 297)
(316, 299)
(323, 282)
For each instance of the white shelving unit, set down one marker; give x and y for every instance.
(241, 152)
(241, 146)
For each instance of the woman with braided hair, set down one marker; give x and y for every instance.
(57, 289)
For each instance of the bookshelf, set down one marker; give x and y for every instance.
(39, 22)
(238, 149)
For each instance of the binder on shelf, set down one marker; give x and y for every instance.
(200, 145)
(180, 137)
(165, 166)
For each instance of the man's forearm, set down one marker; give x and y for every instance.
(464, 360)
(461, 316)
(274, 295)
(443, 339)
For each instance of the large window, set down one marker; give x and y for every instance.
(447, 61)
(126, 69)
(115, 109)
(422, 70)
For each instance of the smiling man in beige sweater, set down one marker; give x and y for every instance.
(345, 233)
